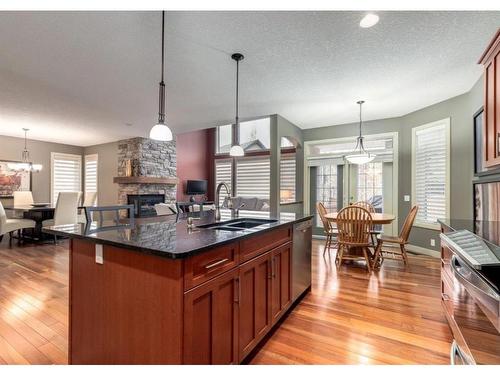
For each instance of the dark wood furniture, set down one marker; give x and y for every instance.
(401, 241)
(210, 308)
(472, 308)
(38, 214)
(491, 128)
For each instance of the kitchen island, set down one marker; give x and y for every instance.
(156, 291)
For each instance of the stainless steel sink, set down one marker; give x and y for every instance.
(237, 224)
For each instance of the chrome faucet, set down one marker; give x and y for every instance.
(217, 198)
(236, 211)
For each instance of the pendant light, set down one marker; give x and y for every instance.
(236, 149)
(360, 155)
(161, 132)
(26, 164)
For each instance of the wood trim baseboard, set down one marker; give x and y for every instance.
(423, 251)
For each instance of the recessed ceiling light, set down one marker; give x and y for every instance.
(369, 20)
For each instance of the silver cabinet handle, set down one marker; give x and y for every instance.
(211, 265)
(238, 291)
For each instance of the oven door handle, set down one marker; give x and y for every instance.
(456, 352)
(458, 268)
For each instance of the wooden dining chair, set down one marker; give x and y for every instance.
(328, 228)
(353, 225)
(401, 240)
(373, 232)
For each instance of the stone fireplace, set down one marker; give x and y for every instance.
(153, 169)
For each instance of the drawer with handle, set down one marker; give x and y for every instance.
(205, 266)
(254, 246)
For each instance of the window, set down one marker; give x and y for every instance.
(370, 187)
(287, 177)
(223, 173)
(66, 173)
(224, 138)
(255, 135)
(430, 172)
(90, 177)
(253, 177)
(326, 188)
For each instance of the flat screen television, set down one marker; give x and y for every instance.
(196, 187)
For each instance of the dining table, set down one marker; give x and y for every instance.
(37, 212)
(377, 218)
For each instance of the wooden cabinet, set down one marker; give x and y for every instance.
(211, 321)
(255, 303)
(491, 129)
(227, 316)
(211, 308)
(281, 280)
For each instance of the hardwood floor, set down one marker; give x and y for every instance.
(393, 316)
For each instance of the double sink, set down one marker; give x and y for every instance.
(237, 224)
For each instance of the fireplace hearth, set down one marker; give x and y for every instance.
(144, 204)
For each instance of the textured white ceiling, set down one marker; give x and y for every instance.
(79, 77)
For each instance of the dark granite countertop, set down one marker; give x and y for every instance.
(169, 236)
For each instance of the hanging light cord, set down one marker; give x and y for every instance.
(360, 138)
(237, 91)
(161, 106)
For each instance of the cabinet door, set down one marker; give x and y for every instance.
(491, 129)
(281, 277)
(255, 311)
(211, 321)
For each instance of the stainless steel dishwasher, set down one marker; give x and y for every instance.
(301, 257)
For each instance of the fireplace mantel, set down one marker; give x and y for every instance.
(145, 180)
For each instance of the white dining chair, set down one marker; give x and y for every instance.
(23, 198)
(66, 211)
(89, 200)
(11, 225)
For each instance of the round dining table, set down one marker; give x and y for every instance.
(377, 218)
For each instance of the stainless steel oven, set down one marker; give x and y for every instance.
(471, 301)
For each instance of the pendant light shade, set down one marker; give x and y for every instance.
(360, 155)
(26, 165)
(161, 132)
(236, 149)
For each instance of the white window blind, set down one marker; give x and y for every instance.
(253, 177)
(66, 174)
(287, 177)
(223, 173)
(90, 176)
(430, 165)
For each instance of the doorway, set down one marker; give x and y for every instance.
(330, 179)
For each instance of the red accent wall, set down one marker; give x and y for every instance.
(195, 152)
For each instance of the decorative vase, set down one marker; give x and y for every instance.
(128, 168)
